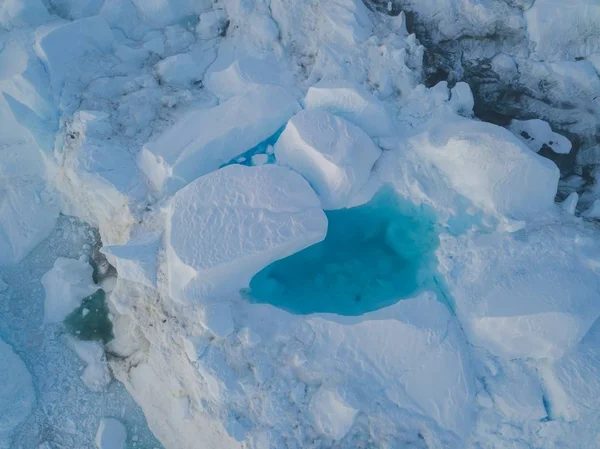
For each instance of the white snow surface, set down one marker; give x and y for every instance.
(17, 394)
(129, 113)
(334, 155)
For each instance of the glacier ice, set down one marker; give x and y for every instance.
(204, 139)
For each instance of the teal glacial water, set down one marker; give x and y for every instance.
(373, 256)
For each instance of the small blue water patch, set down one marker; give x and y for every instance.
(373, 256)
(246, 157)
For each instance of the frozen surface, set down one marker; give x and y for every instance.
(334, 155)
(206, 139)
(226, 226)
(463, 317)
(64, 412)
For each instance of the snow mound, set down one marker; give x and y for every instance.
(66, 284)
(111, 434)
(17, 394)
(509, 306)
(137, 260)
(335, 156)
(245, 73)
(206, 139)
(226, 226)
(537, 133)
(490, 166)
(353, 103)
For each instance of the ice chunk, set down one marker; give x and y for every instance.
(537, 133)
(461, 99)
(226, 226)
(64, 48)
(570, 203)
(206, 139)
(96, 375)
(490, 166)
(259, 159)
(66, 284)
(111, 434)
(331, 416)
(180, 70)
(513, 308)
(136, 260)
(335, 156)
(17, 395)
(352, 102)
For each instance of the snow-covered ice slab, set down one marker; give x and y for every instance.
(226, 226)
(352, 102)
(244, 74)
(334, 155)
(490, 166)
(17, 394)
(206, 139)
(65, 48)
(524, 295)
(27, 216)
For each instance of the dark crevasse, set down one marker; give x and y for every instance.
(373, 256)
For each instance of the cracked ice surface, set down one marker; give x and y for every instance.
(136, 116)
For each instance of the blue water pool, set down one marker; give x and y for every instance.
(373, 256)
